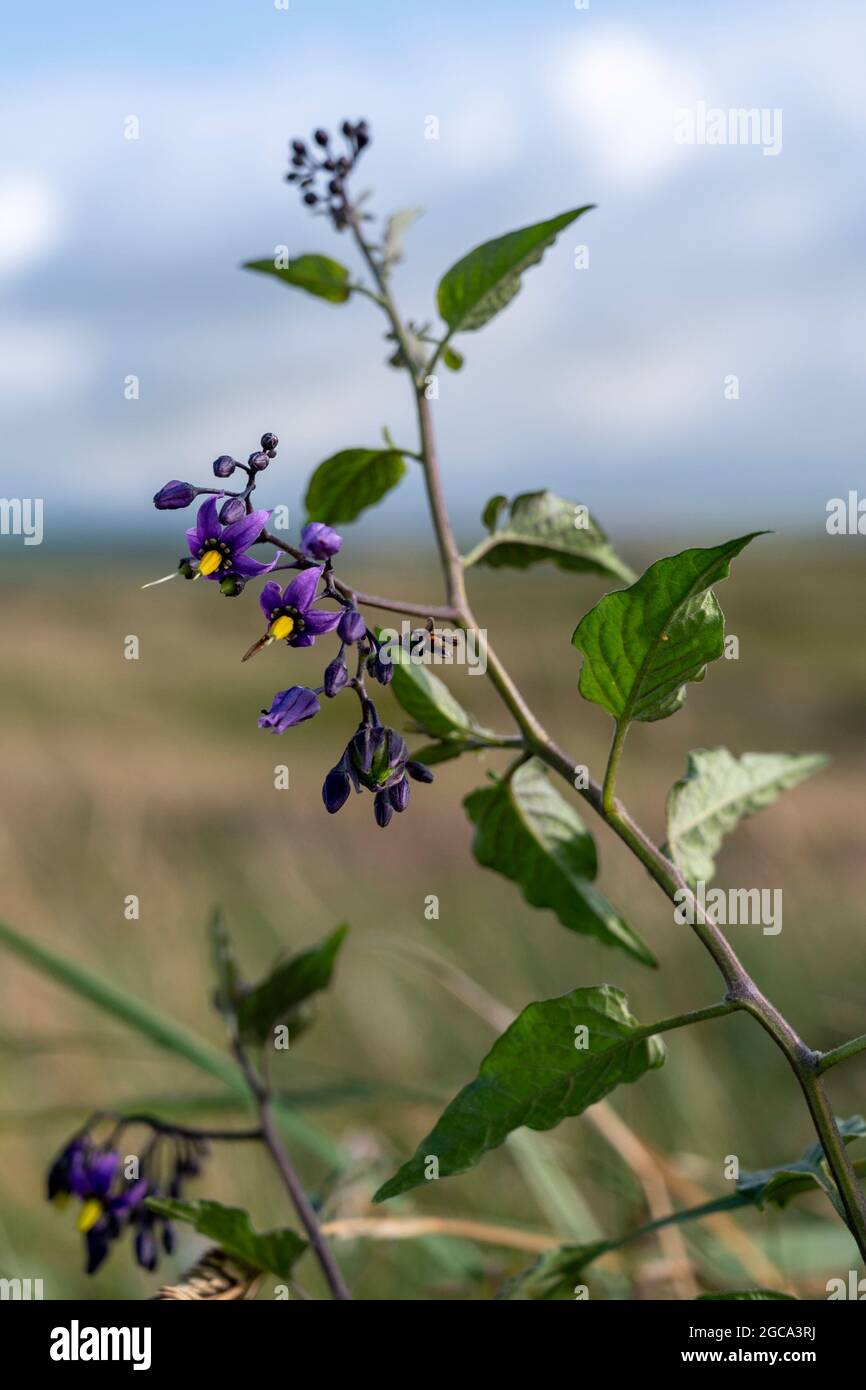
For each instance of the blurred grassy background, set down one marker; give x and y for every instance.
(150, 777)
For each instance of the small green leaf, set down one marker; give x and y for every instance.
(277, 998)
(744, 1295)
(428, 700)
(719, 790)
(525, 830)
(318, 275)
(555, 1273)
(787, 1180)
(453, 359)
(488, 278)
(492, 511)
(344, 484)
(542, 526)
(536, 1074)
(272, 1252)
(643, 644)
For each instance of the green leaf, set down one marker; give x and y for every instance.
(492, 511)
(318, 275)
(485, 281)
(542, 526)
(525, 830)
(428, 700)
(535, 1075)
(643, 644)
(744, 1295)
(229, 985)
(344, 484)
(787, 1180)
(158, 1028)
(719, 790)
(453, 359)
(277, 998)
(555, 1274)
(272, 1252)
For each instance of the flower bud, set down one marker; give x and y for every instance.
(352, 626)
(399, 795)
(233, 509)
(382, 809)
(321, 137)
(382, 671)
(299, 148)
(174, 495)
(335, 789)
(290, 707)
(419, 772)
(258, 461)
(224, 466)
(320, 542)
(269, 442)
(336, 677)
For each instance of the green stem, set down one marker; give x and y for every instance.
(613, 760)
(826, 1060)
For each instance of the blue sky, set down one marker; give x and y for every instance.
(121, 257)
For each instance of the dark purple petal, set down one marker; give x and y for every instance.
(146, 1249)
(270, 598)
(301, 591)
(207, 522)
(335, 789)
(303, 639)
(193, 541)
(352, 625)
(319, 621)
(101, 1169)
(232, 511)
(96, 1245)
(242, 533)
(399, 794)
(336, 677)
(419, 772)
(248, 568)
(382, 809)
(290, 707)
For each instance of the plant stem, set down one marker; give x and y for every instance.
(841, 1054)
(291, 1181)
(742, 992)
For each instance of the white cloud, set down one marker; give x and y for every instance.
(29, 222)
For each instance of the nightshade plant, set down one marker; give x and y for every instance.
(639, 648)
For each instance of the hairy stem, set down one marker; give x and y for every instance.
(742, 992)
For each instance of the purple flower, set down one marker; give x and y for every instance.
(336, 788)
(290, 614)
(220, 549)
(320, 542)
(174, 495)
(336, 677)
(377, 759)
(290, 707)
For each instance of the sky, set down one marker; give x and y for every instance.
(609, 383)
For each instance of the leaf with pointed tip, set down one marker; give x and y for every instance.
(487, 279)
(717, 792)
(536, 1075)
(555, 1273)
(318, 275)
(778, 1185)
(453, 359)
(542, 526)
(642, 645)
(277, 998)
(272, 1252)
(346, 483)
(492, 511)
(525, 830)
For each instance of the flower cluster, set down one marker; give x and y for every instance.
(113, 1187)
(376, 759)
(321, 172)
